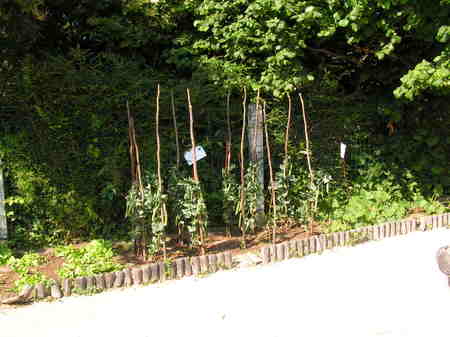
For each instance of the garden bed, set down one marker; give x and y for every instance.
(222, 252)
(218, 242)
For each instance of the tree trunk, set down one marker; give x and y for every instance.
(255, 136)
(3, 227)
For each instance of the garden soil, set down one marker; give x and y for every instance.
(385, 288)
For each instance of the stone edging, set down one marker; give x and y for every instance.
(198, 265)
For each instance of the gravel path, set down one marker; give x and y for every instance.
(387, 288)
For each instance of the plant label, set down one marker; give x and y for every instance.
(199, 154)
(343, 148)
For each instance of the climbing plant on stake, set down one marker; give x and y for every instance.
(308, 157)
(272, 183)
(135, 198)
(198, 214)
(256, 146)
(229, 185)
(241, 207)
(159, 217)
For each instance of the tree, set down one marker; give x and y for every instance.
(283, 44)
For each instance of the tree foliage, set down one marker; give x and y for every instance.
(375, 75)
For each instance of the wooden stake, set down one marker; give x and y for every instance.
(228, 143)
(194, 163)
(191, 130)
(308, 153)
(286, 139)
(140, 244)
(241, 162)
(158, 145)
(174, 117)
(135, 150)
(3, 224)
(272, 183)
(163, 209)
(255, 133)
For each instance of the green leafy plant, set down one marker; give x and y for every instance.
(175, 193)
(23, 266)
(29, 260)
(230, 190)
(144, 211)
(94, 258)
(5, 254)
(87, 292)
(248, 211)
(194, 212)
(357, 238)
(430, 206)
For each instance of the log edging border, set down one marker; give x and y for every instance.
(211, 263)
(319, 243)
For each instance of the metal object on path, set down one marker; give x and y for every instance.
(443, 260)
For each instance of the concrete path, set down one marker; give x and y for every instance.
(387, 288)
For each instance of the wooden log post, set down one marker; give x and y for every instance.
(280, 251)
(67, 287)
(204, 264)
(172, 272)
(100, 282)
(90, 282)
(55, 291)
(146, 274)
(26, 292)
(292, 249)
(80, 283)
(180, 267)
(187, 267)
(195, 261)
(128, 281)
(162, 271)
(109, 279)
(137, 276)
(272, 253)
(228, 260)
(212, 259)
(221, 260)
(119, 280)
(301, 248)
(154, 272)
(41, 291)
(265, 253)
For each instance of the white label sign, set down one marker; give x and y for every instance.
(199, 154)
(343, 148)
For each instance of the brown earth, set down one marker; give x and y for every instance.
(218, 241)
